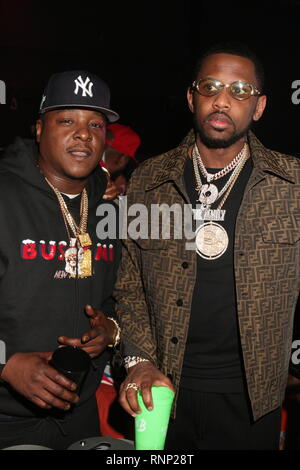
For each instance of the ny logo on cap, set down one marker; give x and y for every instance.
(83, 85)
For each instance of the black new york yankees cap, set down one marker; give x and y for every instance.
(77, 89)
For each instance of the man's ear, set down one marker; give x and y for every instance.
(260, 107)
(38, 129)
(190, 99)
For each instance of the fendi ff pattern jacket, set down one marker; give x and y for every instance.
(157, 276)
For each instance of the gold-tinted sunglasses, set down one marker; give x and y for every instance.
(211, 86)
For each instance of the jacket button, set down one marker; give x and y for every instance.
(174, 340)
(179, 302)
(185, 265)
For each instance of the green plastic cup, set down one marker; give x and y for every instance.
(151, 426)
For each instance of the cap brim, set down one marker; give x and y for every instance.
(111, 116)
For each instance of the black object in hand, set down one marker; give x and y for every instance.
(72, 362)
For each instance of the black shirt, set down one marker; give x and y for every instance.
(212, 361)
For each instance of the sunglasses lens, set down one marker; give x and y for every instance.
(241, 90)
(208, 87)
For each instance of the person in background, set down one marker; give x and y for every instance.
(122, 143)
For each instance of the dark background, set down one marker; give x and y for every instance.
(146, 51)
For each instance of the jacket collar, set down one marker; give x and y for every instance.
(264, 161)
(172, 167)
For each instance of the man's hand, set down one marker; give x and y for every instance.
(102, 333)
(31, 376)
(143, 375)
(112, 191)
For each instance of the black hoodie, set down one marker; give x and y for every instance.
(38, 300)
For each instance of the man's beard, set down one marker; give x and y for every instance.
(214, 143)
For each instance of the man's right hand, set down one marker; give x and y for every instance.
(31, 376)
(143, 375)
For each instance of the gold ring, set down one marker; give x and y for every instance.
(131, 385)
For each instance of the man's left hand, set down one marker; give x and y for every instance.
(102, 333)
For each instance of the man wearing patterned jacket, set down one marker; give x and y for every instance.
(212, 316)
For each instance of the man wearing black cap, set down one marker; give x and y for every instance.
(56, 276)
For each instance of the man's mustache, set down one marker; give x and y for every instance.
(219, 115)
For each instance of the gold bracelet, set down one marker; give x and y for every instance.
(118, 334)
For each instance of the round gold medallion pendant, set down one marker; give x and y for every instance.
(211, 240)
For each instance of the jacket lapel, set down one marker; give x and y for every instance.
(172, 167)
(266, 161)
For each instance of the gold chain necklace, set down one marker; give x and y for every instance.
(84, 241)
